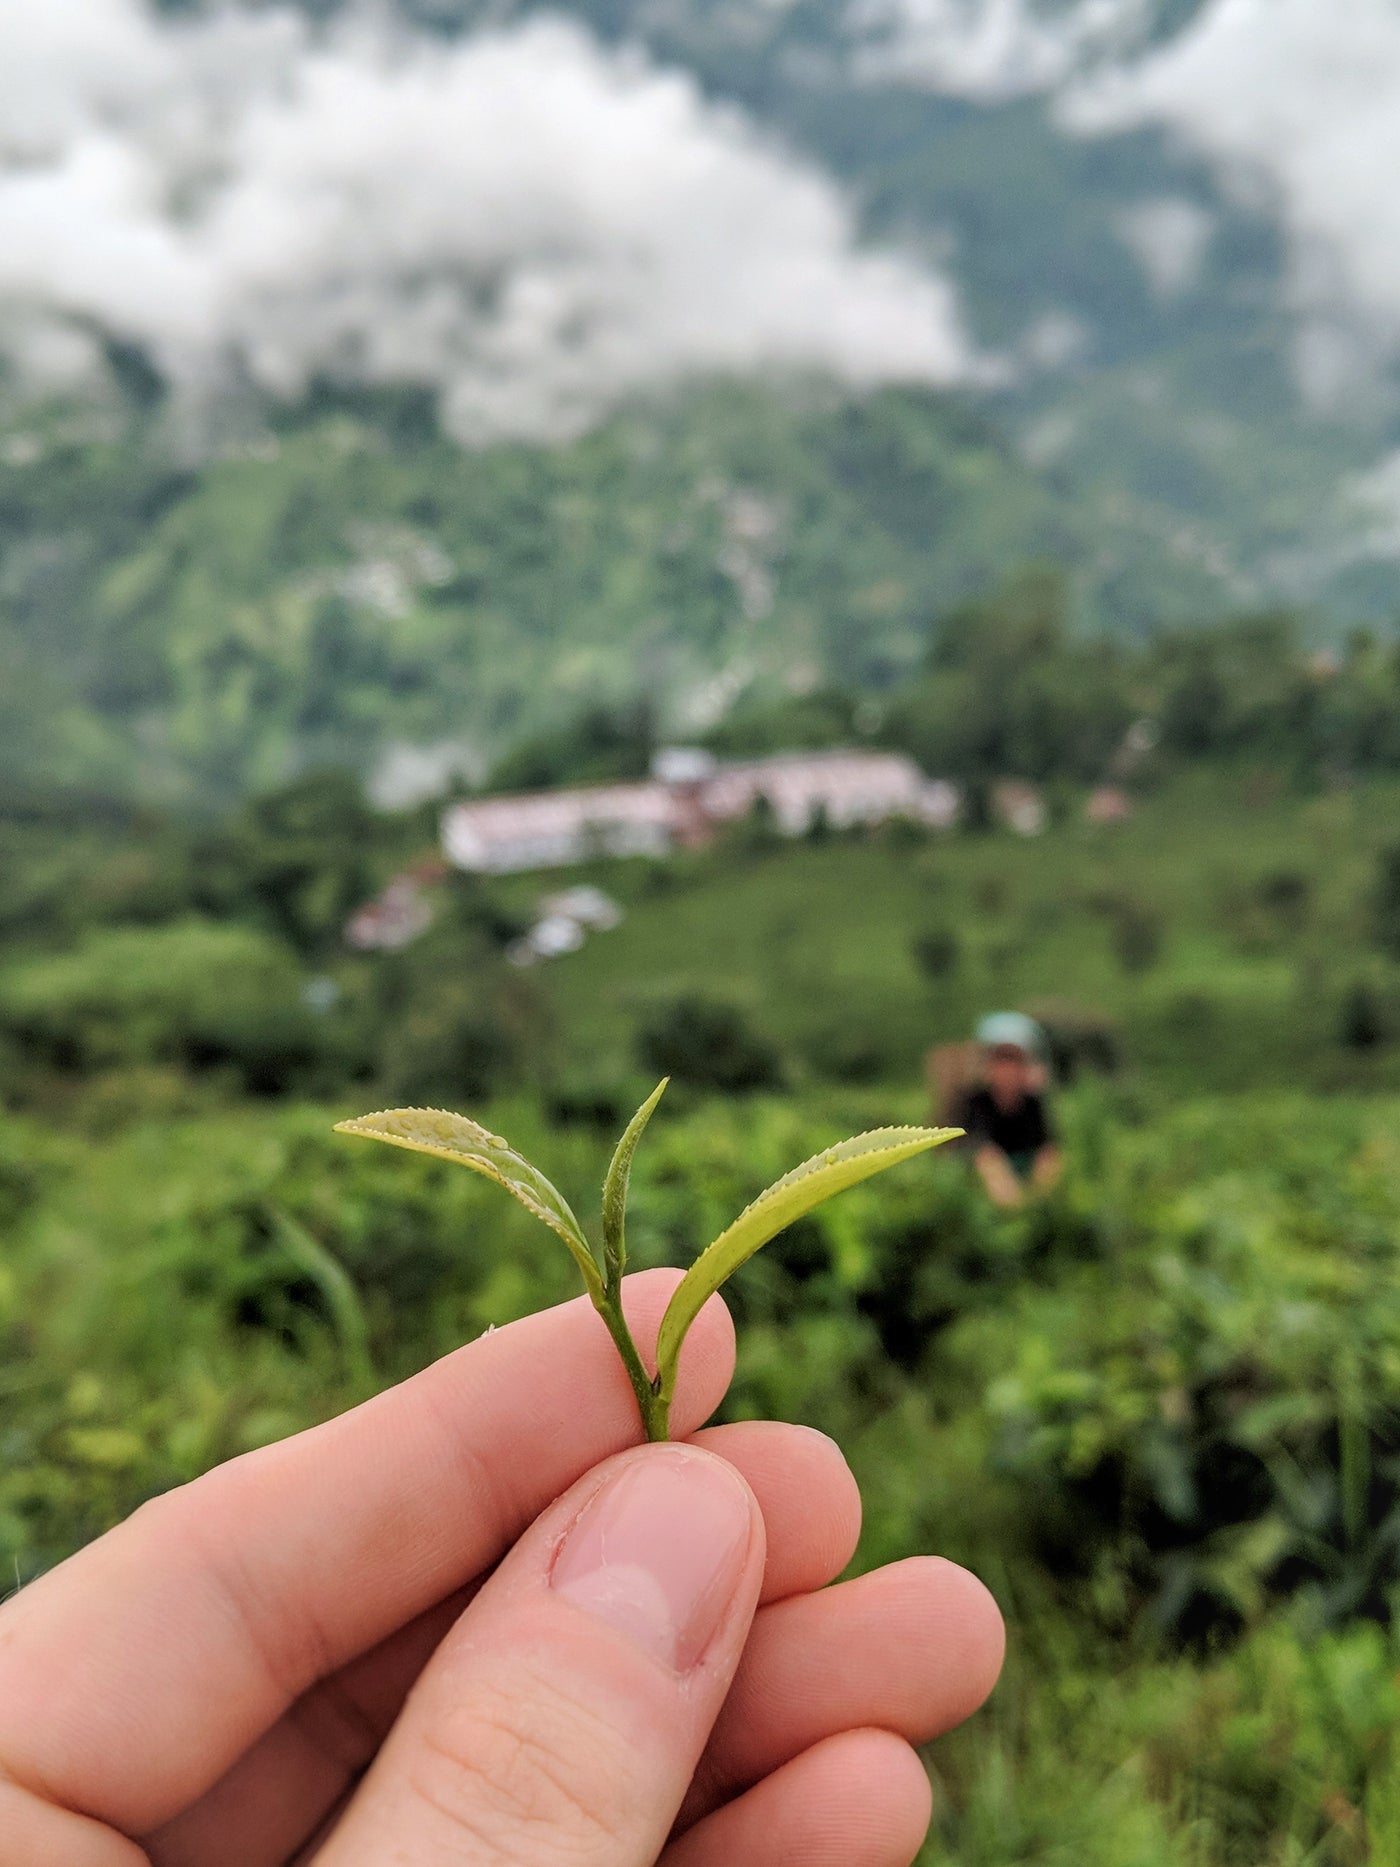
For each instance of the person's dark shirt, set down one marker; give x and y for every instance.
(1020, 1132)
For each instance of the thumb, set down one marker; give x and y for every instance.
(562, 1718)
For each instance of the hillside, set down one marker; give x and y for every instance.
(351, 579)
(1156, 1412)
(216, 569)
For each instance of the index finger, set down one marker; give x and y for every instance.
(136, 1673)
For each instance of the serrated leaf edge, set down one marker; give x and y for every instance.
(575, 1240)
(682, 1309)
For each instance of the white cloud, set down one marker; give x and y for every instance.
(989, 50)
(1374, 497)
(1298, 102)
(1055, 340)
(526, 223)
(1168, 237)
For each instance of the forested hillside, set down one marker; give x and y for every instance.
(876, 305)
(353, 579)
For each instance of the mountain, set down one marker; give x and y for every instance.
(1166, 221)
(368, 385)
(351, 581)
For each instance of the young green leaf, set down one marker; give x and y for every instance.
(831, 1171)
(457, 1138)
(615, 1188)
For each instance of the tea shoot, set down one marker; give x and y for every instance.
(458, 1138)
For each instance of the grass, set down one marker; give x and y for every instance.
(813, 938)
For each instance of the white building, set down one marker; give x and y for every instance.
(1019, 806)
(545, 829)
(588, 907)
(847, 788)
(686, 801)
(393, 920)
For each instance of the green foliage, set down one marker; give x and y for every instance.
(601, 743)
(708, 1044)
(448, 1045)
(1072, 1401)
(797, 1193)
(1364, 1023)
(1008, 691)
(616, 1182)
(214, 633)
(359, 584)
(1137, 934)
(1387, 901)
(797, 722)
(459, 1139)
(198, 993)
(1155, 1412)
(936, 952)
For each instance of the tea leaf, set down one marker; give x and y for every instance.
(831, 1171)
(458, 1138)
(615, 1188)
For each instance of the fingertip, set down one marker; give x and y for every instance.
(707, 1354)
(818, 1461)
(888, 1773)
(968, 1621)
(859, 1798)
(808, 1495)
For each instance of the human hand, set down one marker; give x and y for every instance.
(999, 1178)
(473, 1621)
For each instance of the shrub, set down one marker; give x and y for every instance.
(855, 1048)
(709, 1044)
(1136, 934)
(1079, 1038)
(449, 1047)
(937, 952)
(1286, 894)
(1386, 901)
(195, 993)
(1363, 1024)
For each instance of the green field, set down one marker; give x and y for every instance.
(1216, 937)
(1158, 1412)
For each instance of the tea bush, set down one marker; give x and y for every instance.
(708, 1044)
(1157, 1413)
(200, 994)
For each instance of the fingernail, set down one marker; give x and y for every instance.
(657, 1552)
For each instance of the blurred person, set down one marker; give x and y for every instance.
(1009, 1131)
(476, 1620)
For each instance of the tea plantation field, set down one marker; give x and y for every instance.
(1159, 1413)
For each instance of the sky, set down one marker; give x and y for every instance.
(990, 50)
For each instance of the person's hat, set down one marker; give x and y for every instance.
(1011, 1030)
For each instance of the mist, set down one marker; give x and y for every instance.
(1298, 107)
(523, 222)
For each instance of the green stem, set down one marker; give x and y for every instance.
(654, 1410)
